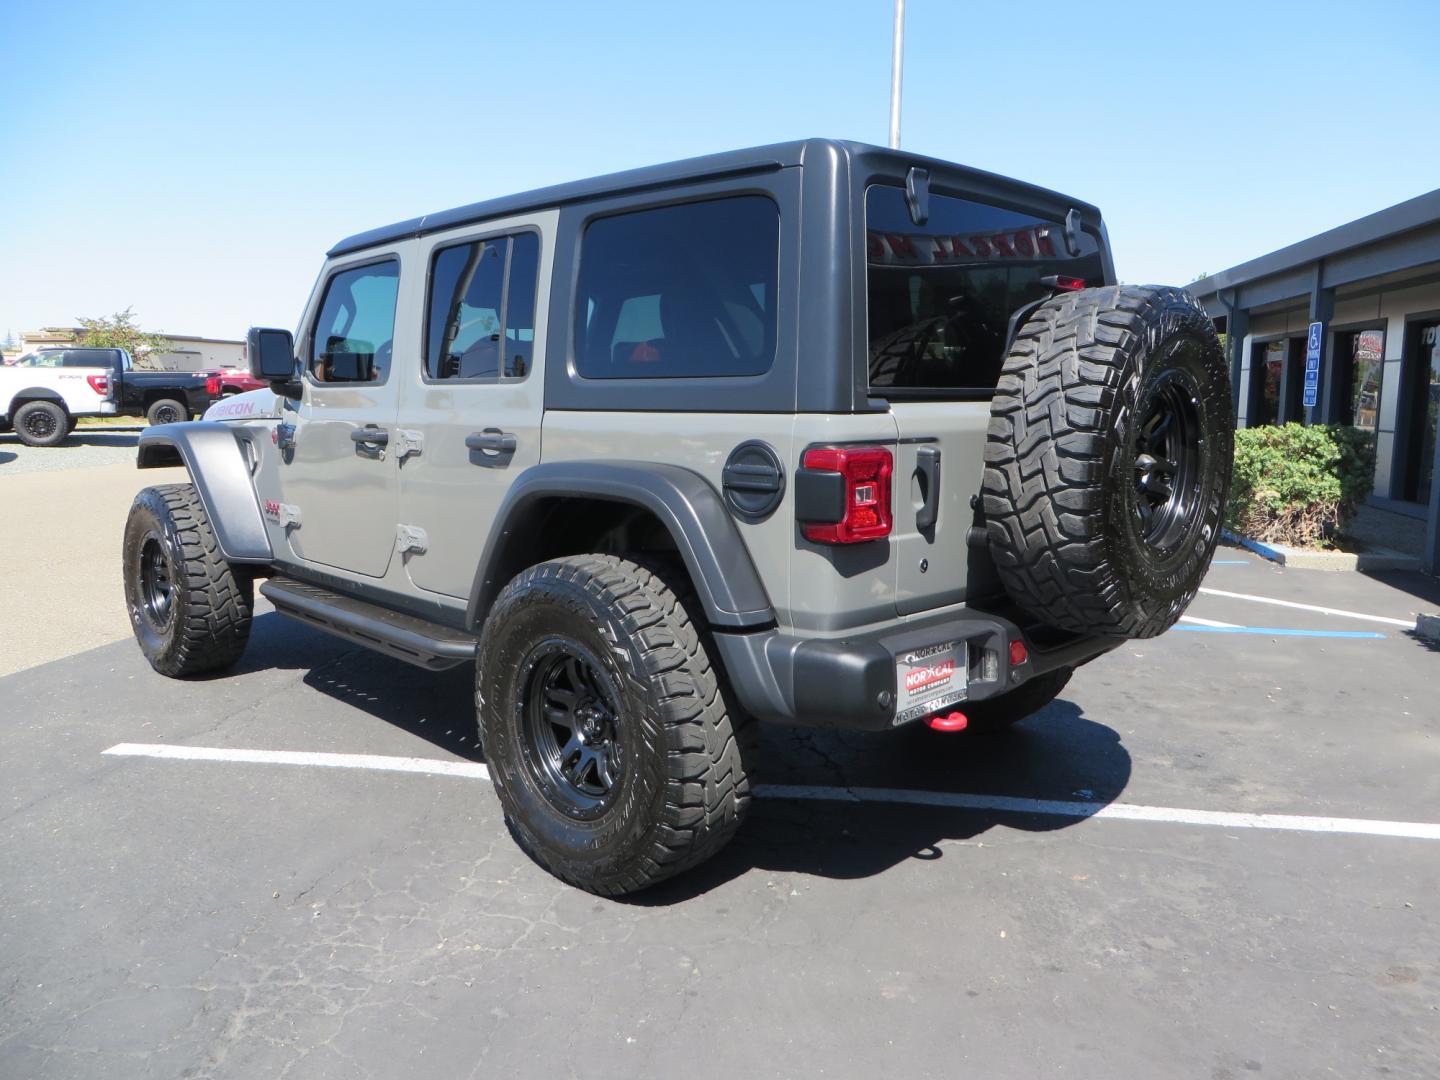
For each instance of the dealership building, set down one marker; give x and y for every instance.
(1373, 286)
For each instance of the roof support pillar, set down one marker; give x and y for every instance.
(1430, 555)
(1237, 326)
(1322, 310)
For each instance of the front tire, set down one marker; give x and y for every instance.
(189, 608)
(166, 411)
(613, 752)
(41, 423)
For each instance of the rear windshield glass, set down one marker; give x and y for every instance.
(682, 291)
(940, 295)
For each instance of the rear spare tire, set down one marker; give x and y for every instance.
(41, 423)
(1107, 462)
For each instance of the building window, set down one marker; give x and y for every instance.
(1366, 353)
(1420, 474)
(1270, 359)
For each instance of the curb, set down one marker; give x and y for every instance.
(1301, 559)
(1427, 628)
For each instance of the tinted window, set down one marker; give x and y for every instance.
(482, 309)
(355, 331)
(520, 304)
(105, 358)
(679, 291)
(941, 294)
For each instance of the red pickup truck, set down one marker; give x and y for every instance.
(236, 381)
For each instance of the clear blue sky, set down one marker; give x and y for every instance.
(195, 160)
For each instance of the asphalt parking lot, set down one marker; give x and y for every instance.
(1148, 879)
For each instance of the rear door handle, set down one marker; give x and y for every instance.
(927, 464)
(491, 441)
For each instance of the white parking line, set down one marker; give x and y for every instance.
(1414, 830)
(384, 763)
(1408, 624)
(1207, 622)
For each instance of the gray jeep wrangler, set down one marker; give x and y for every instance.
(817, 433)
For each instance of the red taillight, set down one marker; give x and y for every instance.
(864, 513)
(99, 383)
(1064, 283)
(1018, 653)
(212, 386)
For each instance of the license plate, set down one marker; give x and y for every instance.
(928, 679)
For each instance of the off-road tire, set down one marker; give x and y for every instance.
(166, 411)
(41, 423)
(995, 714)
(208, 623)
(682, 791)
(1061, 496)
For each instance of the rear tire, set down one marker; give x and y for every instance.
(41, 423)
(166, 411)
(189, 608)
(609, 740)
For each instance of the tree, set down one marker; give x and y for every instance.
(120, 331)
(9, 342)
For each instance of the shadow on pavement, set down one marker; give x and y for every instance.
(1055, 755)
(1419, 585)
(81, 437)
(7, 455)
(1058, 755)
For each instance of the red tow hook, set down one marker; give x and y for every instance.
(955, 721)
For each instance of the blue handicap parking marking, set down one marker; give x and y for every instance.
(1277, 631)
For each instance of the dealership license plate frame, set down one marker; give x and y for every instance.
(942, 687)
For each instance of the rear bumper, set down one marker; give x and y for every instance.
(851, 682)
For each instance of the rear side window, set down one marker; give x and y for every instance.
(940, 295)
(481, 319)
(91, 358)
(683, 291)
(355, 330)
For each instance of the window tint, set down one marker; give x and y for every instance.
(91, 358)
(520, 304)
(354, 334)
(679, 291)
(940, 295)
(470, 286)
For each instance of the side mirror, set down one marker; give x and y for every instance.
(271, 355)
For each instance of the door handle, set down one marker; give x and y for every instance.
(491, 441)
(927, 464)
(369, 436)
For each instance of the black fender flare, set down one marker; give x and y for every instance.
(211, 453)
(36, 393)
(705, 534)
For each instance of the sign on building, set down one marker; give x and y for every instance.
(1312, 364)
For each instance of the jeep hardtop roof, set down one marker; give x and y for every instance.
(845, 155)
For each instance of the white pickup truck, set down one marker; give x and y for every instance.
(43, 403)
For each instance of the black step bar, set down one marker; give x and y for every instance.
(417, 641)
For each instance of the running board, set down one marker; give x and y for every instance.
(425, 644)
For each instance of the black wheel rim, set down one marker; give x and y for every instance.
(157, 590)
(570, 729)
(166, 414)
(1169, 461)
(40, 424)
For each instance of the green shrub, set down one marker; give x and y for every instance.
(1298, 485)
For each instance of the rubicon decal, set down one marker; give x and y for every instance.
(929, 676)
(907, 249)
